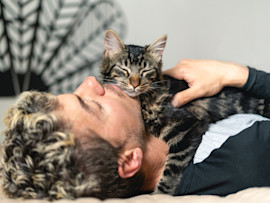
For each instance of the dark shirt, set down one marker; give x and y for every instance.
(243, 159)
(258, 83)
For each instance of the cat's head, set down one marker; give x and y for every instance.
(134, 69)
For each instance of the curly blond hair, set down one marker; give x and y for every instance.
(43, 160)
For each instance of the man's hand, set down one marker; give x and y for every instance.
(205, 78)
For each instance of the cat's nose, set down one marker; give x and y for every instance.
(134, 81)
(135, 84)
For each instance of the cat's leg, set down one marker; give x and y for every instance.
(172, 175)
(182, 147)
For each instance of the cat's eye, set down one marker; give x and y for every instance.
(122, 72)
(149, 73)
(126, 71)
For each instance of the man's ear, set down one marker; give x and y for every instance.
(130, 162)
(112, 43)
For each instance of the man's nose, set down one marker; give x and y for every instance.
(90, 86)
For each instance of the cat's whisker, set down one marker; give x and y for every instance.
(161, 81)
(156, 87)
(106, 81)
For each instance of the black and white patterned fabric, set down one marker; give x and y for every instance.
(53, 45)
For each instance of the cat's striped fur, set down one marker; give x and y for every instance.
(137, 70)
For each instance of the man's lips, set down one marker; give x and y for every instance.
(116, 88)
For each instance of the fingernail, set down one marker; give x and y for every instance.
(174, 103)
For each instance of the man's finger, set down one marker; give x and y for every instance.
(173, 72)
(170, 71)
(185, 96)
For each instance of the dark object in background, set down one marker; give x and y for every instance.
(7, 89)
(53, 45)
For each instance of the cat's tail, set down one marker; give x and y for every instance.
(264, 108)
(232, 101)
(257, 106)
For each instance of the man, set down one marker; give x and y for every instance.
(91, 142)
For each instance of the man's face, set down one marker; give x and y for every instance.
(107, 111)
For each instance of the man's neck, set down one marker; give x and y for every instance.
(153, 164)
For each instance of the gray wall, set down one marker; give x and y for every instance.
(4, 104)
(228, 30)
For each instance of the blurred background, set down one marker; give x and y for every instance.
(53, 45)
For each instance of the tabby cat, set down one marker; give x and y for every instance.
(137, 70)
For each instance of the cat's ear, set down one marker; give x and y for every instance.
(157, 47)
(112, 43)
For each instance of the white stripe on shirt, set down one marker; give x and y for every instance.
(220, 131)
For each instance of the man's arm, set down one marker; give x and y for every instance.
(258, 83)
(207, 77)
